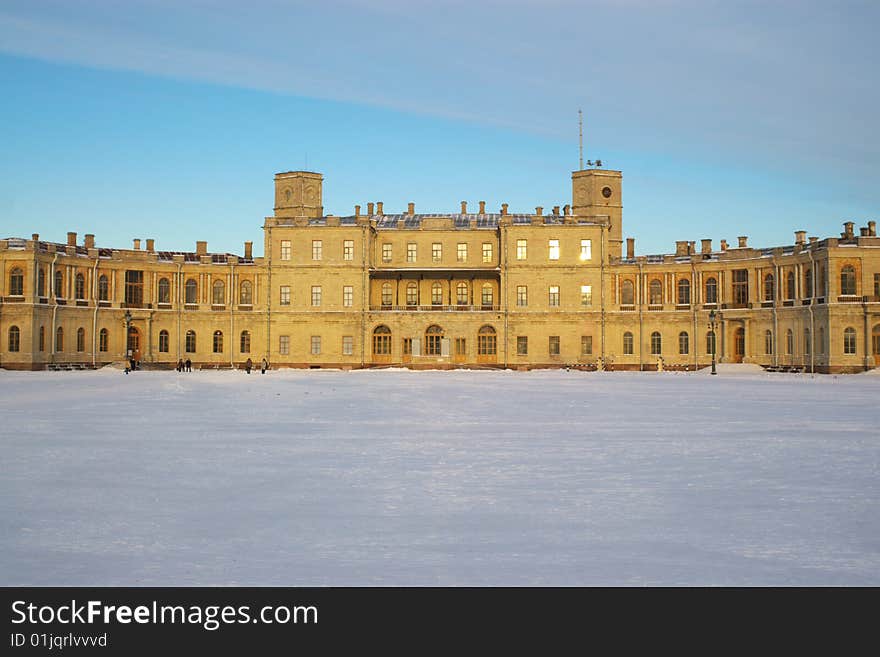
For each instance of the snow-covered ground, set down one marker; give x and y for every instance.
(447, 478)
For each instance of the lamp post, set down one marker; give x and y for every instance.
(712, 325)
(127, 318)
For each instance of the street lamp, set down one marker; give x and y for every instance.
(127, 331)
(712, 325)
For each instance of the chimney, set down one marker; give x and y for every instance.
(90, 241)
(483, 207)
(464, 207)
(411, 208)
(566, 210)
(201, 248)
(248, 250)
(504, 208)
(724, 245)
(539, 210)
(681, 247)
(800, 236)
(555, 209)
(813, 239)
(691, 249)
(137, 244)
(36, 236)
(743, 241)
(872, 229)
(151, 245)
(370, 209)
(864, 231)
(71, 239)
(630, 248)
(357, 211)
(706, 246)
(847, 229)
(379, 209)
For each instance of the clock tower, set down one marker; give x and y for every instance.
(299, 194)
(596, 196)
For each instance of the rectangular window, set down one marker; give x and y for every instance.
(586, 345)
(347, 295)
(283, 344)
(285, 295)
(348, 250)
(586, 295)
(317, 250)
(554, 249)
(316, 345)
(554, 296)
(553, 345)
(876, 287)
(487, 252)
(411, 252)
(386, 253)
(285, 249)
(316, 295)
(522, 345)
(522, 295)
(436, 252)
(522, 250)
(586, 250)
(461, 253)
(134, 288)
(460, 347)
(347, 345)
(407, 346)
(740, 287)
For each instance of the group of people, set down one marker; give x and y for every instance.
(184, 365)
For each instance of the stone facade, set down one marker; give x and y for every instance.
(491, 289)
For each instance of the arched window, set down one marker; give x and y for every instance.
(769, 287)
(245, 346)
(487, 341)
(848, 281)
(461, 294)
(14, 338)
(849, 340)
(103, 288)
(59, 284)
(808, 348)
(789, 342)
(684, 292)
(768, 343)
(382, 341)
(42, 338)
(433, 340)
(59, 339)
(218, 342)
(683, 343)
(41, 282)
(190, 343)
(387, 298)
(627, 297)
(711, 290)
(710, 342)
(219, 294)
(628, 343)
(656, 343)
(789, 285)
(164, 290)
(487, 294)
(655, 294)
(80, 339)
(820, 340)
(163, 342)
(808, 283)
(191, 291)
(412, 294)
(16, 282)
(436, 294)
(245, 295)
(103, 340)
(79, 287)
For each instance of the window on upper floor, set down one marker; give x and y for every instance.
(436, 294)
(627, 293)
(285, 295)
(387, 294)
(486, 294)
(655, 293)
(684, 292)
(246, 294)
(348, 250)
(769, 287)
(586, 295)
(316, 295)
(586, 250)
(134, 288)
(847, 280)
(461, 252)
(522, 295)
(164, 291)
(317, 250)
(218, 297)
(347, 295)
(436, 252)
(711, 290)
(285, 249)
(79, 286)
(487, 252)
(411, 252)
(740, 287)
(553, 299)
(789, 286)
(16, 282)
(461, 294)
(412, 294)
(191, 290)
(553, 246)
(386, 252)
(59, 284)
(522, 250)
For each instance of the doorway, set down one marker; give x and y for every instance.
(875, 343)
(134, 344)
(739, 345)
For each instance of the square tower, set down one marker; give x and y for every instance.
(596, 195)
(299, 194)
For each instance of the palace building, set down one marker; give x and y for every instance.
(557, 288)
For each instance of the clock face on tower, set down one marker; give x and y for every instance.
(606, 192)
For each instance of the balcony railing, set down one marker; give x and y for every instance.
(439, 308)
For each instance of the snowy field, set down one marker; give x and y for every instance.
(439, 478)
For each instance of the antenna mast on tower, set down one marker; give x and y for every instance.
(580, 140)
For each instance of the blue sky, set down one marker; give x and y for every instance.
(168, 119)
